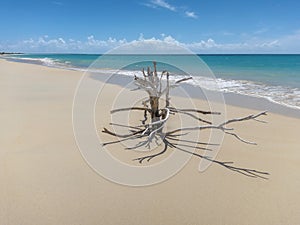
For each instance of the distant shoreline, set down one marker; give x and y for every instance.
(11, 53)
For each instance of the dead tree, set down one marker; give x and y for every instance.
(153, 84)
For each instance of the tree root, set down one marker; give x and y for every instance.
(153, 85)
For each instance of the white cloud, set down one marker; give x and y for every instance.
(181, 10)
(149, 5)
(61, 40)
(270, 44)
(91, 41)
(162, 4)
(191, 14)
(91, 44)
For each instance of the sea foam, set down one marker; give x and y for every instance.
(284, 95)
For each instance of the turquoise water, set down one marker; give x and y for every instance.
(274, 77)
(269, 69)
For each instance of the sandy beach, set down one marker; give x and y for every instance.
(45, 180)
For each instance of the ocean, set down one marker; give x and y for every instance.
(273, 77)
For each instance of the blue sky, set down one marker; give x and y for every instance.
(204, 26)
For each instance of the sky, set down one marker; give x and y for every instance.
(203, 26)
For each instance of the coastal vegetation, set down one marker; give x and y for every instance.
(10, 53)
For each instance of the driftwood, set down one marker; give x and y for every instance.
(152, 83)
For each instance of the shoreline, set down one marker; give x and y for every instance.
(234, 99)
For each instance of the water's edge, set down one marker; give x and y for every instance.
(232, 97)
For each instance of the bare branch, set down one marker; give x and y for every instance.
(144, 83)
(129, 109)
(155, 70)
(245, 171)
(194, 128)
(191, 115)
(221, 126)
(121, 140)
(239, 138)
(168, 91)
(145, 117)
(250, 117)
(136, 89)
(126, 126)
(183, 79)
(196, 110)
(149, 157)
(194, 147)
(153, 85)
(192, 142)
(105, 130)
(143, 71)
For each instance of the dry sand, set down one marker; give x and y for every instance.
(45, 180)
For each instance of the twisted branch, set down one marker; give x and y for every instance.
(153, 85)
